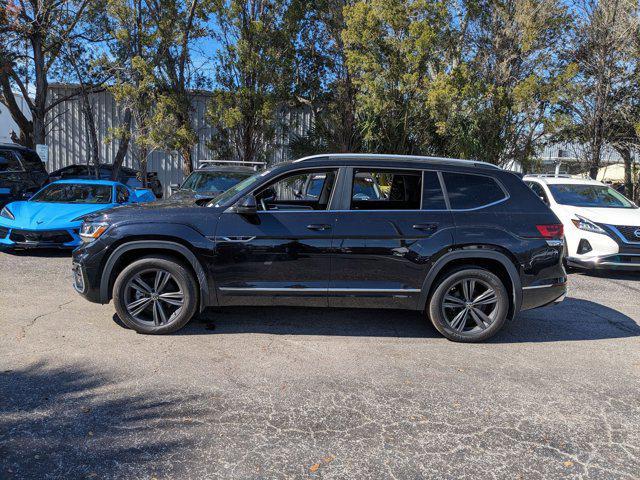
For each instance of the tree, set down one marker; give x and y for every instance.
(601, 51)
(495, 98)
(393, 51)
(33, 34)
(178, 24)
(129, 62)
(322, 82)
(253, 72)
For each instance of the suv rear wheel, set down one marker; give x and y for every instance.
(469, 305)
(155, 295)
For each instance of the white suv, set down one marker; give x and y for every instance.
(602, 226)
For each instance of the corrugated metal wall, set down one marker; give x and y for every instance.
(69, 143)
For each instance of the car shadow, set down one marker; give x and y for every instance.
(58, 423)
(41, 252)
(572, 320)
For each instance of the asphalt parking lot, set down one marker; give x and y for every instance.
(304, 393)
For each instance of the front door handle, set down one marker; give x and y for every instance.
(319, 227)
(426, 227)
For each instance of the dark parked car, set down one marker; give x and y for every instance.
(22, 173)
(209, 182)
(130, 177)
(465, 242)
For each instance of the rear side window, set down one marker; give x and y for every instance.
(468, 191)
(9, 162)
(386, 189)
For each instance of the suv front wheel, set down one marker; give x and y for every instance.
(469, 305)
(155, 295)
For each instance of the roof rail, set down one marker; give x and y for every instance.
(549, 175)
(238, 163)
(410, 158)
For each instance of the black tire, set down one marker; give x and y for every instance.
(450, 299)
(172, 301)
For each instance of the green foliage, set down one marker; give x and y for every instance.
(252, 76)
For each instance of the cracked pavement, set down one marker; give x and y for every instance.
(312, 393)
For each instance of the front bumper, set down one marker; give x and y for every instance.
(618, 261)
(31, 239)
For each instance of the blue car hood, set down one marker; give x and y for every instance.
(48, 216)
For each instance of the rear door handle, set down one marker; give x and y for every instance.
(426, 227)
(319, 227)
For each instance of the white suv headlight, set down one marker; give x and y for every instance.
(587, 225)
(91, 231)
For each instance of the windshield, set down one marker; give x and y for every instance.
(202, 182)
(74, 193)
(599, 196)
(238, 187)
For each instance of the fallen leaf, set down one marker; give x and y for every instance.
(86, 409)
(329, 458)
(314, 467)
(568, 463)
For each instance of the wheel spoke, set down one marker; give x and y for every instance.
(486, 298)
(139, 284)
(468, 286)
(459, 320)
(161, 312)
(453, 302)
(173, 298)
(136, 307)
(481, 318)
(161, 280)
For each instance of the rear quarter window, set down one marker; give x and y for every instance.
(468, 191)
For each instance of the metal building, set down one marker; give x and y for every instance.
(68, 139)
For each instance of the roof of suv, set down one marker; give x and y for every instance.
(553, 180)
(392, 157)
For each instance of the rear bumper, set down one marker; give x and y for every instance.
(542, 295)
(618, 261)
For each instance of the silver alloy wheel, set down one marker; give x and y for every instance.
(470, 305)
(153, 296)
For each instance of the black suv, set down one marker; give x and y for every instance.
(465, 242)
(22, 173)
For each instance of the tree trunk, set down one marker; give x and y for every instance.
(9, 100)
(93, 134)
(187, 161)
(123, 144)
(625, 153)
(40, 102)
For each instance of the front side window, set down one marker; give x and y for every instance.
(212, 182)
(74, 193)
(468, 191)
(580, 195)
(386, 189)
(298, 191)
(9, 163)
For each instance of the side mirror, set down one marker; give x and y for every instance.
(247, 205)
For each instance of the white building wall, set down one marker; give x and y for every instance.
(7, 125)
(68, 140)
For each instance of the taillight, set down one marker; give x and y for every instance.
(553, 231)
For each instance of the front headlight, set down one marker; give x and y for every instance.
(91, 231)
(587, 225)
(6, 213)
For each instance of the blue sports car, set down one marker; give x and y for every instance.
(53, 216)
